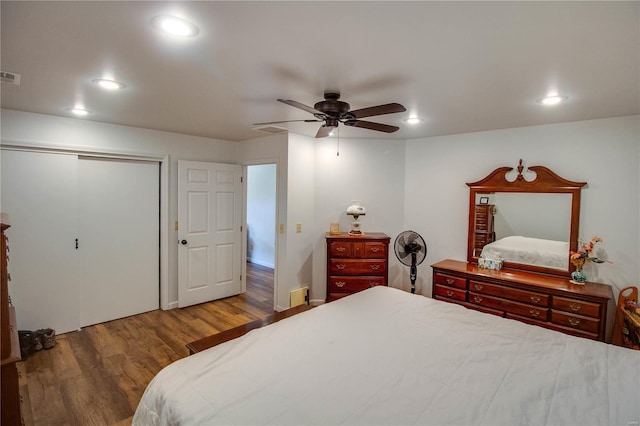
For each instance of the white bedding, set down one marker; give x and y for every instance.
(530, 251)
(384, 356)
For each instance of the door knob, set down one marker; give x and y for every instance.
(183, 242)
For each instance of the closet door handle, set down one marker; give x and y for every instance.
(183, 242)
(76, 244)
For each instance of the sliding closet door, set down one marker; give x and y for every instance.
(39, 191)
(118, 232)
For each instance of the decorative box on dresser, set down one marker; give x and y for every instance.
(10, 397)
(356, 262)
(484, 231)
(548, 301)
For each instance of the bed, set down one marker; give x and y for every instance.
(530, 251)
(384, 356)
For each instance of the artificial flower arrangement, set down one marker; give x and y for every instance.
(581, 257)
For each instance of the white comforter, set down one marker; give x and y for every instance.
(530, 251)
(384, 356)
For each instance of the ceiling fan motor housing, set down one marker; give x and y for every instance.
(332, 106)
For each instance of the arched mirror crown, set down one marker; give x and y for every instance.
(530, 221)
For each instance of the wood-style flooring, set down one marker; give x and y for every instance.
(96, 376)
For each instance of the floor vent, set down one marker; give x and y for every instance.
(299, 296)
(10, 78)
(271, 129)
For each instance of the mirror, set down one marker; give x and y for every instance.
(528, 219)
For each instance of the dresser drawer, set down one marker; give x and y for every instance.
(353, 284)
(509, 293)
(374, 250)
(537, 312)
(357, 266)
(579, 322)
(449, 280)
(574, 306)
(340, 249)
(450, 292)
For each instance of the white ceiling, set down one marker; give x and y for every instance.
(462, 66)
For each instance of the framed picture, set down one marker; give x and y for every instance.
(484, 200)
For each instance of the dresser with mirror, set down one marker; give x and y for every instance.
(535, 223)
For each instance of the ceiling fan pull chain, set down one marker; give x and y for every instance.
(338, 143)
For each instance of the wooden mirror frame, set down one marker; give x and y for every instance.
(545, 181)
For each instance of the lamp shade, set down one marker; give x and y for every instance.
(356, 210)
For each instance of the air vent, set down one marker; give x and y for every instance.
(271, 129)
(10, 78)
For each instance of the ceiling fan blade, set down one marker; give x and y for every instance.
(377, 110)
(301, 106)
(287, 121)
(372, 126)
(324, 131)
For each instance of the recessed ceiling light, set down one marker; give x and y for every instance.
(79, 111)
(108, 84)
(552, 100)
(413, 120)
(175, 26)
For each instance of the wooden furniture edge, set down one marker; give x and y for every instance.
(224, 336)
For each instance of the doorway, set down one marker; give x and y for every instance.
(261, 224)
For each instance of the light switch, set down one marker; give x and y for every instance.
(298, 228)
(282, 228)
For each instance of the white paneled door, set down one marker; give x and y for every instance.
(84, 238)
(118, 238)
(209, 234)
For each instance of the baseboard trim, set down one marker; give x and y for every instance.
(172, 305)
(261, 263)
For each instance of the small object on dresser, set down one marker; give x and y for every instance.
(495, 264)
(334, 229)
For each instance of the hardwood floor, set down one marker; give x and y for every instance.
(96, 376)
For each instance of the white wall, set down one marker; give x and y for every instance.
(416, 184)
(369, 170)
(261, 214)
(23, 128)
(300, 210)
(604, 153)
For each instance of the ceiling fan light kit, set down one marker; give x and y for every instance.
(332, 111)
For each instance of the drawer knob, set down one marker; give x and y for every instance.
(534, 312)
(375, 249)
(478, 286)
(575, 307)
(477, 299)
(375, 267)
(535, 299)
(574, 321)
(340, 283)
(450, 281)
(373, 284)
(449, 293)
(340, 249)
(340, 266)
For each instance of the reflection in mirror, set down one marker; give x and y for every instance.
(528, 228)
(531, 224)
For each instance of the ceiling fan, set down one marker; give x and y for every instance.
(332, 111)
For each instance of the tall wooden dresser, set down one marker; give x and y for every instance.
(356, 262)
(10, 397)
(484, 231)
